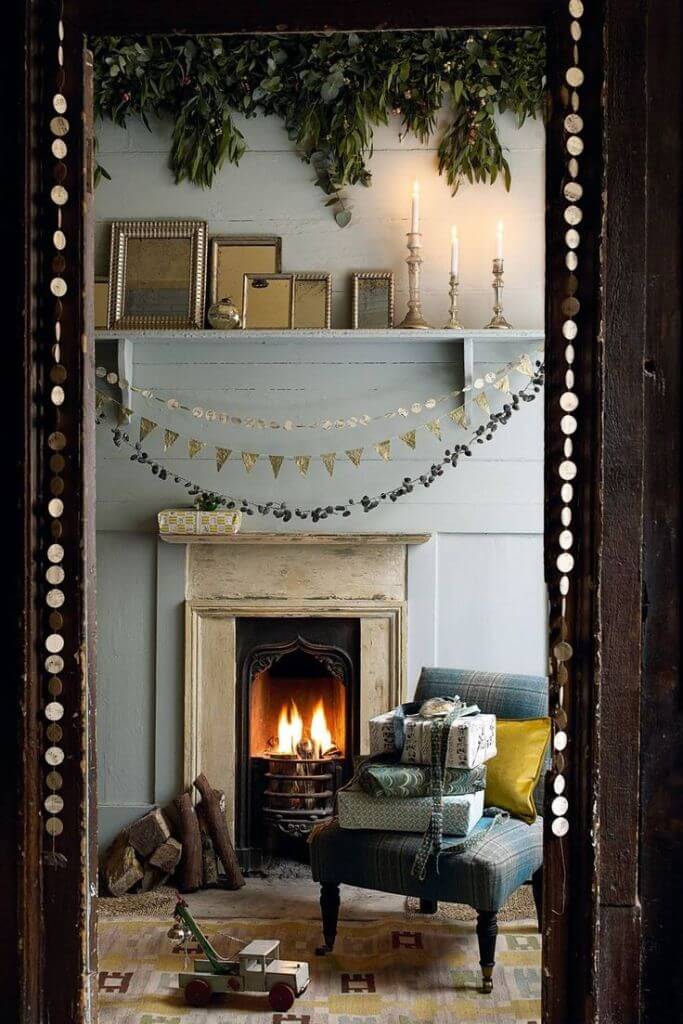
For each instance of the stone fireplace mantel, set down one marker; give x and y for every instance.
(300, 539)
(360, 576)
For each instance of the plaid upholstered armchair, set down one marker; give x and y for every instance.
(483, 877)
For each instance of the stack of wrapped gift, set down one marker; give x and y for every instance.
(392, 790)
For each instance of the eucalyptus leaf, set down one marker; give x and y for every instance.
(343, 217)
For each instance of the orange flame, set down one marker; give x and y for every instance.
(320, 734)
(290, 730)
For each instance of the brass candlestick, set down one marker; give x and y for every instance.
(498, 321)
(414, 318)
(454, 321)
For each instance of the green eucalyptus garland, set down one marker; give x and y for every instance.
(330, 91)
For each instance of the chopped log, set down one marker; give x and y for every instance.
(209, 860)
(191, 860)
(218, 830)
(166, 856)
(148, 832)
(152, 879)
(121, 869)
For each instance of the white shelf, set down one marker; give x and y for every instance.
(346, 335)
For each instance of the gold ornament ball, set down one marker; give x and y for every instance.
(223, 315)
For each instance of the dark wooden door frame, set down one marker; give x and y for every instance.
(596, 877)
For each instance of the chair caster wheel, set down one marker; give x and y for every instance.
(323, 950)
(487, 980)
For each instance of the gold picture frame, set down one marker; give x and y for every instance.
(268, 302)
(372, 299)
(312, 300)
(233, 256)
(157, 272)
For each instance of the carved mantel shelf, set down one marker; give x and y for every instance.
(327, 539)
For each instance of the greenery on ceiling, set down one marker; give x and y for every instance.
(330, 92)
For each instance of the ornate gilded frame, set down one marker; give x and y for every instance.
(369, 276)
(324, 277)
(217, 241)
(121, 232)
(254, 278)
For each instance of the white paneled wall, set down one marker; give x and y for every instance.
(476, 594)
(272, 192)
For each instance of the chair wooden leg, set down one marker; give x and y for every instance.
(487, 933)
(329, 906)
(537, 888)
(428, 906)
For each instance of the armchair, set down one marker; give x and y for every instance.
(483, 877)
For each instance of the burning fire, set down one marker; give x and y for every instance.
(290, 730)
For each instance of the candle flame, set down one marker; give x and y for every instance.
(416, 187)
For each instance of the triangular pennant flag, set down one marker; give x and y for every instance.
(124, 414)
(222, 456)
(302, 463)
(170, 438)
(459, 416)
(408, 438)
(503, 384)
(275, 464)
(434, 427)
(525, 366)
(99, 400)
(146, 427)
(383, 448)
(249, 459)
(483, 402)
(194, 447)
(355, 455)
(328, 461)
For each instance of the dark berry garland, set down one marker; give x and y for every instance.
(280, 509)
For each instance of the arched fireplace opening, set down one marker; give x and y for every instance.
(297, 730)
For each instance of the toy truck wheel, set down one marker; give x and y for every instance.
(197, 993)
(281, 997)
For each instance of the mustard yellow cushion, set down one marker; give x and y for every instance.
(512, 775)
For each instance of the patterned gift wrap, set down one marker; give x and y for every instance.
(407, 780)
(357, 809)
(187, 521)
(471, 740)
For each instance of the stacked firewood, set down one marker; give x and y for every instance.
(183, 842)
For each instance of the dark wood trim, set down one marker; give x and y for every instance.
(619, 854)
(102, 17)
(661, 786)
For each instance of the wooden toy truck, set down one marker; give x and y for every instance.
(257, 968)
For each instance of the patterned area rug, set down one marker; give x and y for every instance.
(381, 972)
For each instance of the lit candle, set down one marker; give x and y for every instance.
(415, 219)
(455, 251)
(499, 240)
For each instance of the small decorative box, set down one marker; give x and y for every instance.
(186, 521)
(471, 740)
(357, 809)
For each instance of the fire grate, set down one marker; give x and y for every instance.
(300, 792)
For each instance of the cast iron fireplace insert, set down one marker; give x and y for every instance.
(297, 730)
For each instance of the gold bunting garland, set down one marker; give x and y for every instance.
(522, 364)
(170, 438)
(222, 456)
(459, 416)
(482, 401)
(328, 461)
(275, 464)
